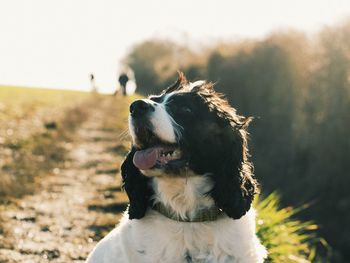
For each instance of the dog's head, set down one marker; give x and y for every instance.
(189, 126)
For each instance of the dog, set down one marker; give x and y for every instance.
(189, 181)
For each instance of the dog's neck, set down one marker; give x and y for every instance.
(185, 197)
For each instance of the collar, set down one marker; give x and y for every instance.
(204, 215)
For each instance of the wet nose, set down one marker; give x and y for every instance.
(140, 107)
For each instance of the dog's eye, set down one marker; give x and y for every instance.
(186, 110)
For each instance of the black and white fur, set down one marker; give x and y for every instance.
(212, 169)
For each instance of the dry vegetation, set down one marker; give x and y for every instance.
(35, 126)
(24, 111)
(71, 168)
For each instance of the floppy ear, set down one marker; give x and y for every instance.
(234, 184)
(136, 186)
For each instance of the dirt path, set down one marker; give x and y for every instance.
(76, 206)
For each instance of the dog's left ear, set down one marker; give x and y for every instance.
(234, 184)
(136, 186)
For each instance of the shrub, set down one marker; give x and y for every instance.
(287, 239)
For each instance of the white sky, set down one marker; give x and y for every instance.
(57, 43)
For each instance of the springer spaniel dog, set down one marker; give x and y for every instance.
(189, 181)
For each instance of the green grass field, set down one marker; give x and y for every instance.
(19, 102)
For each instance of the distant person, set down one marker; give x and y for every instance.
(123, 79)
(92, 83)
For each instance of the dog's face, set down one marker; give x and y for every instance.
(189, 127)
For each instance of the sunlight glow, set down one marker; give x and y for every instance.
(59, 43)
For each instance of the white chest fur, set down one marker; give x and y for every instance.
(156, 238)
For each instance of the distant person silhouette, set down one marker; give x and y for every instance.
(92, 83)
(123, 79)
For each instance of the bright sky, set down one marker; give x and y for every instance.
(57, 43)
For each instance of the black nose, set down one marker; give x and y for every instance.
(140, 107)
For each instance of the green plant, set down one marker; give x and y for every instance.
(287, 239)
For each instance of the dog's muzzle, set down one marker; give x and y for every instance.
(152, 152)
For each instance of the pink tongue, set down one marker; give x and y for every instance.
(146, 159)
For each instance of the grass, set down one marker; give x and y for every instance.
(35, 124)
(20, 102)
(24, 111)
(286, 238)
